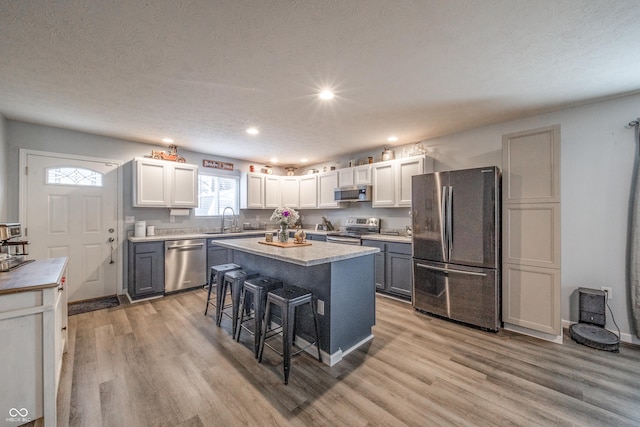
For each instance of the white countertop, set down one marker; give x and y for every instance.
(388, 238)
(228, 235)
(185, 236)
(317, 253)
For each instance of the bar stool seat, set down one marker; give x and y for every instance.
(233, 280)
(216, 277)
(258, 287)
(288, 299)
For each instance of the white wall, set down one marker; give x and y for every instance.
(596, 168)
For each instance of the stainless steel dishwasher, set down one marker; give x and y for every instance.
(185, 264)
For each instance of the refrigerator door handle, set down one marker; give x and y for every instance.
(450, 221)
(451, 270)
(443, 223)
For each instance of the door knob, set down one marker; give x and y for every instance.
(111, 239)
(111, 230)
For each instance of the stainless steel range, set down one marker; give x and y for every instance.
(355, 228)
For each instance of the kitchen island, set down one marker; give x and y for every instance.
(341, 277)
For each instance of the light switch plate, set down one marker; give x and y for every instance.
(320, 307)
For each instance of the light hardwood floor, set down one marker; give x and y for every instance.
(163, 363)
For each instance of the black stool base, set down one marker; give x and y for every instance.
(288, 299)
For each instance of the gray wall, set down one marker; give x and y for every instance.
(44, 138)
(4, 173)
(597, 161)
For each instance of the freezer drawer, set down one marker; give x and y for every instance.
(469, 295)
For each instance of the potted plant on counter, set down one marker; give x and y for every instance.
(285, 217)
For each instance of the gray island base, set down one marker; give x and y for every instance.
(341, 277)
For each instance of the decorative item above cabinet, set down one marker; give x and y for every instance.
(163, 184)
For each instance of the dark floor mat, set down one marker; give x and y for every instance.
(92, 305)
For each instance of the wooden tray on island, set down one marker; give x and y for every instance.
(285, 244)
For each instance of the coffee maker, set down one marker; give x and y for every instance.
(12, 252)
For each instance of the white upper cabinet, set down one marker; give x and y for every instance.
(272, 191)
(345, 176)
(405, 169)
(159, 183)
(392, 180)
(184, 186)
(327, 183)
(362, 175)
(290, 191)
(359, 175)
(252, 191)
(308, 192)
(384, 184)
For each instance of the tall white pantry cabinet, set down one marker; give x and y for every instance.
(531, 232)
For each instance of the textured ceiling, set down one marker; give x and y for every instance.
(203, 71)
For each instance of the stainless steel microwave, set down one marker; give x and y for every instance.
(360, 193)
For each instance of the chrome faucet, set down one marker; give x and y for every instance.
(223, 213)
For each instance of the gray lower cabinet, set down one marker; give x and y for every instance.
(310, 236)
(317, 237)
(146, 269)
(216, 255)
(392, 267)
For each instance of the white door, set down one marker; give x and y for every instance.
(71, 210)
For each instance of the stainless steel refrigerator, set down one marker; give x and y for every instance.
(456, 245)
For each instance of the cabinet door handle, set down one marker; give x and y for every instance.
(64, 328)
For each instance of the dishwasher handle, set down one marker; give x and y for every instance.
(197, 245)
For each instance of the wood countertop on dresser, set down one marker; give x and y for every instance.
(42, 273)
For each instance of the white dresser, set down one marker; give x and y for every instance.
(33, 333)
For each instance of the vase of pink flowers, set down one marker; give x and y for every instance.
(285, 217)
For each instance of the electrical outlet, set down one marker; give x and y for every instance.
(320, 307)
(607, 291)
(172, 218)
(129, 219)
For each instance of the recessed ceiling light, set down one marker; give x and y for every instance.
(253, 131)
(167, 140)
(392, 139)
(326, 94)
(274, 160)
(304, 160)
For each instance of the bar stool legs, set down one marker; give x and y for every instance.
(258, 288)
(216, 277)
(288, 299)
(233, 280)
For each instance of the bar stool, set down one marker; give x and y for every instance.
(288, 299)
(215, 280)
(233, 280)
(258, 288)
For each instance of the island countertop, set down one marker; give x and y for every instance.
(317, 253)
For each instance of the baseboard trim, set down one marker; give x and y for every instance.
(530, 332)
